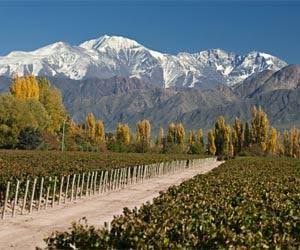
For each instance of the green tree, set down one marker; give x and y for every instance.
(29, 138)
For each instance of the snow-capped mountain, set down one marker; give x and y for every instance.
(110, 56)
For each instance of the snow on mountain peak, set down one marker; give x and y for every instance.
(109, 56)
(113, 42)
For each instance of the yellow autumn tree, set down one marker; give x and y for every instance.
(143, 135)
(211, 147)
(171, 136)
(273, 141)
(191, 137)
(260, 128)
(200, 139)
(180, 133)
(222, 136)
(51, 99)
(238, 135)
(161, 136)
(123, 134)
(25, 88)
(91, 125)
(100, 131)
(295, 142)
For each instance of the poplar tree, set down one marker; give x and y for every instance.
(295, 142)
(222, 137)
(25, 88)
(200, 139)
(161, 136)
(100, 132)
(91, 125)
(247, 135)
(273, 141)
(143, 135)
(123, 134)
(171, 136)
(180, 133)
(260, 128)
(238, 136)
(191, 137)
(211, 147)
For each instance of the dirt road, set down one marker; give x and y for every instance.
(28, 231)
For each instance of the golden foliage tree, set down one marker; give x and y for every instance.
(291, 143)
(191, 137)
(211, 147)
(260, 128)
(171, 136)
(51, 98)
(273, 141)
(143, 135)
(238, 131)
(123, 135)
(222, 136)
(100, 132)
(91, 125)
(180, 133)
(25, 88)
(143, 131)
(200, 139)
(247, 136)
(161, 136)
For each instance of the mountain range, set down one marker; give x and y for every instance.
(120, 80)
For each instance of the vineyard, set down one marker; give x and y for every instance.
(17, 164)
(245, 203)
(52, 178)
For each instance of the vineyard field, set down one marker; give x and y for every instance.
(245, 203)
(21, 164)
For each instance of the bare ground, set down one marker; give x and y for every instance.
(28, 231)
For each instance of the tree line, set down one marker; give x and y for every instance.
(32, 116)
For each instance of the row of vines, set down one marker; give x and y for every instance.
(21, 165)
(26, 196)
(245, 203)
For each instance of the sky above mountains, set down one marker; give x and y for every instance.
(166, 26)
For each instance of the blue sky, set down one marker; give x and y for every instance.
(167, 26)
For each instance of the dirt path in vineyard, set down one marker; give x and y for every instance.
(28, 231)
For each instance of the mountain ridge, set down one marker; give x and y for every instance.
(110, 56)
